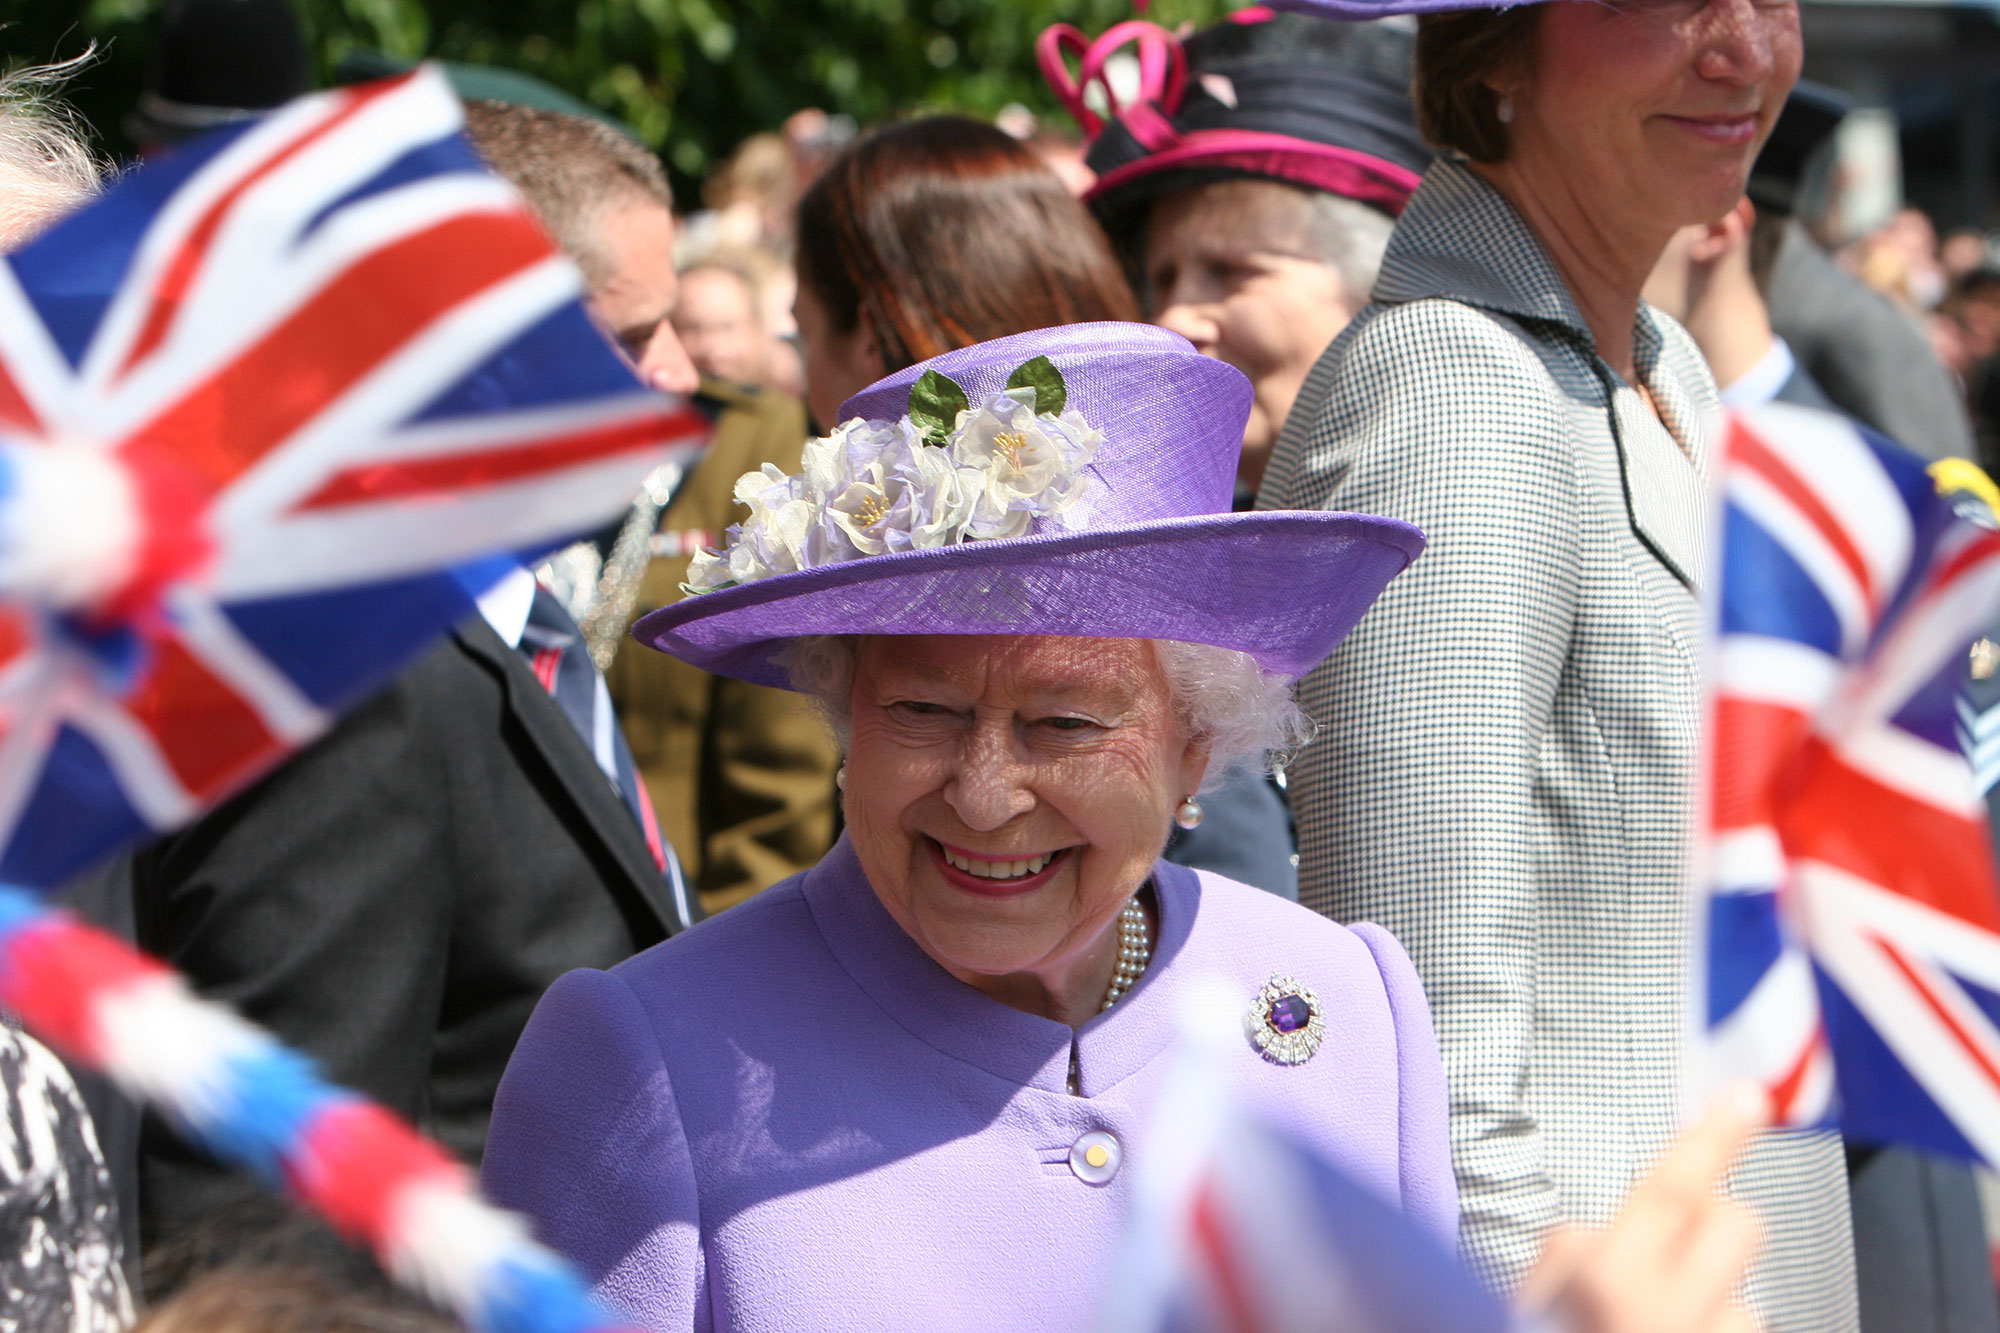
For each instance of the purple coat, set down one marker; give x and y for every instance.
(790, 1117)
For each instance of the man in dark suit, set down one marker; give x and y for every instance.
(395, 899)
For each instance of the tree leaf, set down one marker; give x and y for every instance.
(935, 402)
(1041, 375)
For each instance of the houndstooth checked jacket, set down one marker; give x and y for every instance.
(1504, 770)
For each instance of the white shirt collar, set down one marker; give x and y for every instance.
(506, 605)
(1763, 382)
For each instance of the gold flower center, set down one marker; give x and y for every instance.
(1009, 445)
(871, 511)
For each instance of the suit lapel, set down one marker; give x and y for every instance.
(572, 766)
(1664, 466)
(1461, 240)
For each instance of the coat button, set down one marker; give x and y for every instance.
(1095, 1157)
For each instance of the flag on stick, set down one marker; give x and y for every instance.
(1852, 916)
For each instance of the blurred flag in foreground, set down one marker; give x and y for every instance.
(1238, 1228)
(271, 412)
(1853, 919)
(259, 404)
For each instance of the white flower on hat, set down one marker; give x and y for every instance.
(1030, 465)
(886, 490)
(775, 539)
(945, 473)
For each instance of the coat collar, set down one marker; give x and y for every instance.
(572, 765)
(1461, 240)
(943, 1012)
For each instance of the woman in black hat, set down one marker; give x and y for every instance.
(1252, 185)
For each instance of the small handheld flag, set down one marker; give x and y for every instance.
(260, 405)
(1852, 922)
(271, 412)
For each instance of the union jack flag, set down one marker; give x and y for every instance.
(1853, 918)
(341, 367)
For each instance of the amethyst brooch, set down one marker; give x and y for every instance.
(1285, 1022)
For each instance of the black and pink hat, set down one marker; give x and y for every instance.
(1262, 95)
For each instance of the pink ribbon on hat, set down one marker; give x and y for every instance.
(1162, 75)
(1163, 79)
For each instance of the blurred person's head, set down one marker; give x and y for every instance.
(1253, 200)
(754, 191)
(1913, 230)
(1974, 305)
(720, 322)
(46, 164)
(605, 200)
(261, 1265)
(935, 234)
(1912, 234)
(1962, 252)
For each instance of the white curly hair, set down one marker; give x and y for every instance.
(47, 167)
(1246, 714)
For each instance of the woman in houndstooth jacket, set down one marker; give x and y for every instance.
(1507, 752)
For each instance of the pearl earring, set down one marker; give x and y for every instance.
(840, 777)
(1504, 110)
(1189, 813)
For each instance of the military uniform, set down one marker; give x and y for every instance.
(741, 776)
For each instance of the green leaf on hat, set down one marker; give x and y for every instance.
(1041, 375)
(935, 402)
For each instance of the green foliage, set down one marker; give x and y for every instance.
(935, 402)
(1041, 376)
(694, 77)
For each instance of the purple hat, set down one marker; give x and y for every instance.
(1069, 481)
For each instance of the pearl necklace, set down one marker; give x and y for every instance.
(1135, 950)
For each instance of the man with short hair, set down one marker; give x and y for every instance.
(605, 201)
(741, 775)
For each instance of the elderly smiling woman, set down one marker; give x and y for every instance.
(878, 1094)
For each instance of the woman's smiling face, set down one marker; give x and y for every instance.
(1007, 794)
(1654, 109)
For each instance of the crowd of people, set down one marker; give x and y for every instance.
(1259, 539)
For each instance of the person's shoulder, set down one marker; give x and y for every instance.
(763, 935)
(1430, 390)
(1246, 923)
(1250, 938)
(1438, 356)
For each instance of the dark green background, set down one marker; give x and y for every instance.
(692, 76)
